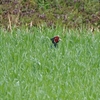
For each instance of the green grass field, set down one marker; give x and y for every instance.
(31, 70)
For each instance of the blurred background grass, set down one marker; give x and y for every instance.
(69, 13)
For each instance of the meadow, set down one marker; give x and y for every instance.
(32, 69)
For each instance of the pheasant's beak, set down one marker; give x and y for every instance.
(60, 39)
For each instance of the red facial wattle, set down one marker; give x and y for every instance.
(56, 39)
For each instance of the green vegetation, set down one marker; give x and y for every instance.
(69, 13)
(31, 70)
